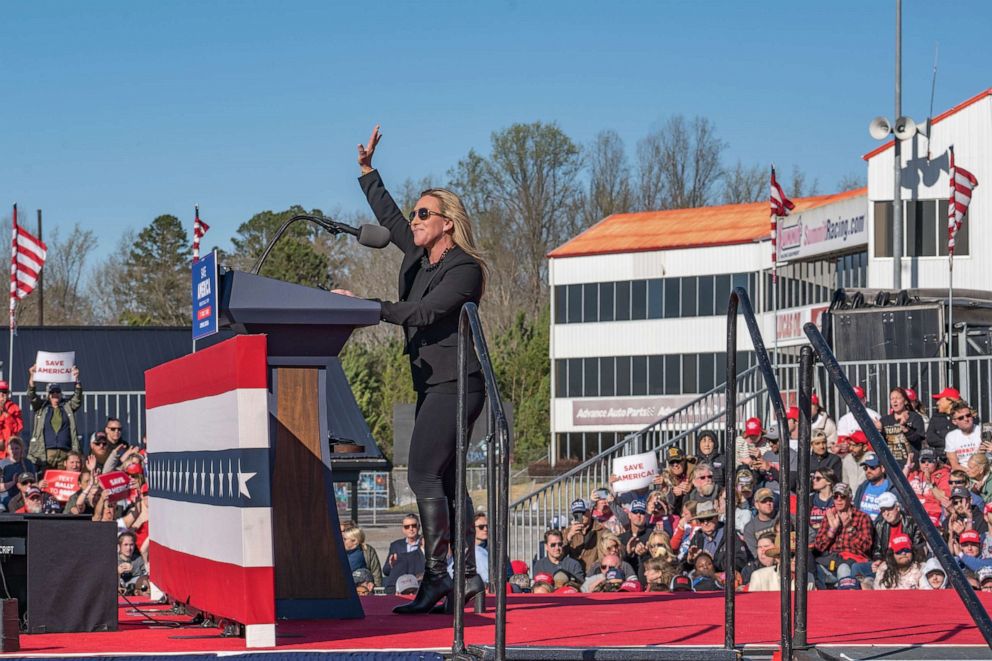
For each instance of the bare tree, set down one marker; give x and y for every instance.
(65, 271)
(851, 180)
(679, 164)
(800, 187)
(526, 199)
(743, 183)
(107, 290)
(609, 178)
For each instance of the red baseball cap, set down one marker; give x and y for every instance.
(544, 578)
(858, 437)
(911, 394)
(949, 393)
(859, 391)
(901, 543)
(970, 537)
(4, 386)
(631, 585)
(988, 508)
(567, 589)
(752, 427)
(134, 469)
(519, 567)
(814, 399)
(792, 413)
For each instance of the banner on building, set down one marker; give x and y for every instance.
(841, 226)
(640, 410)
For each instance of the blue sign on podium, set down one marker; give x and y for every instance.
(205, 296)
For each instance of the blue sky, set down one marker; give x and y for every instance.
(115, 112)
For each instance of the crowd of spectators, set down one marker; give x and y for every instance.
(672, 537)
(49, 469)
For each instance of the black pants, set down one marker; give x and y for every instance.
(431, 469)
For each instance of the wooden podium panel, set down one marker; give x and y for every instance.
(307, 562)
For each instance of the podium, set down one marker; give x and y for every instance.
(244, 520)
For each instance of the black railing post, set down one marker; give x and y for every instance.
(802, 492)
(775, 398)
(907, 497)
(729, 480)
(461, 448)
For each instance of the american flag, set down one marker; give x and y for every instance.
(199, 229)
(781, 206)
(962, 183)
(27, 256)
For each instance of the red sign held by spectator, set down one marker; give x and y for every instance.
(115, 485)
(61, 484)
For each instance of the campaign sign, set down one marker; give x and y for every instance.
(51, 367)
(205, 296)
(635, 471)
(116, 485)
(62, 484)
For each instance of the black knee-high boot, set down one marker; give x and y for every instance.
(436, 584)
(473, 582)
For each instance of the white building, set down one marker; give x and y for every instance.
(639, 300)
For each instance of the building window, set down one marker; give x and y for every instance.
(574, 315)
(575, 377)
(639, 299)
(590, 294)
(561, 378)
(606, 312)
(925, 229)
(656, 375)
(607, 382)
(689, 307)
(639, 375)
(656, 298)
(591, 377)
(561, 305)
(706, 307)
(623, 301)
(672, 298)
(623, 376)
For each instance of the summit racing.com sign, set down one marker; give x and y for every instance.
(831, 228)
(635, 411)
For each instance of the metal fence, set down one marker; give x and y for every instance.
(531, 515)
(535, 513)
(127, 406)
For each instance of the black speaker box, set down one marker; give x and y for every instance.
(62, 570)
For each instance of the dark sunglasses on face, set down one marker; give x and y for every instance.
(554, 545)
(411, 525)
(902, 551)
(838, 496)
(956, 483)
(704, 477)
(115, 429)
(423, 213)
(963, 416)
(482, 526)
(927, 461)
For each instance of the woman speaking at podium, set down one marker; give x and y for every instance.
(441, 271)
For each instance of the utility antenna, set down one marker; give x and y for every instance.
(933, 87)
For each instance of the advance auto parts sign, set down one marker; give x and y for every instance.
(639, 411)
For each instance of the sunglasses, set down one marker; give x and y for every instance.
(423, 213)
(927, 461)
(964, 416)
(956, 483)
(839, 496)
(704, 477)
(903, 551)
(605, 568)
(115, 429)
(26, 482)
(482, 526)
(408, 526)
(554, 545)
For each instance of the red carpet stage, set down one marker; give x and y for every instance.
(836, 618)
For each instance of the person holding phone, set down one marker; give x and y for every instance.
(442, 270)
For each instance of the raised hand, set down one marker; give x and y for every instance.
(366, 151)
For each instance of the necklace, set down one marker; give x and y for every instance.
(426, 265)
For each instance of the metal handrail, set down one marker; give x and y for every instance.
(907, 497)
(676, 428)
(470, 328)
(739, 298)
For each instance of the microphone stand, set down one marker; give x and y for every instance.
(326, 223)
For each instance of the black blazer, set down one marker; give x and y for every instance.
(430, 322)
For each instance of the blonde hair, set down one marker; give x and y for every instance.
(605, 539)
(354, 533)
(452, 208)
(664, 550)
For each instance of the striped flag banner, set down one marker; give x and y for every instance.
(199, 229)
(211, 543)
(781, 206)
(962, 183)
(27, 257)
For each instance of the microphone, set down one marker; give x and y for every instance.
(372, 236)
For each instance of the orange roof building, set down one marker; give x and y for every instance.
(685, 228)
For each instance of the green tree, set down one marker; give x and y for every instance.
(154, 289)
(300, 255)
(523, 371)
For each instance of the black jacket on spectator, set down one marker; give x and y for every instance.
(397, 548)
(741, 555)
(883, 532)
(940, 424)
(917, 429)
(716, 461)
(411, 562)
(567, 564)
(831, 461)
